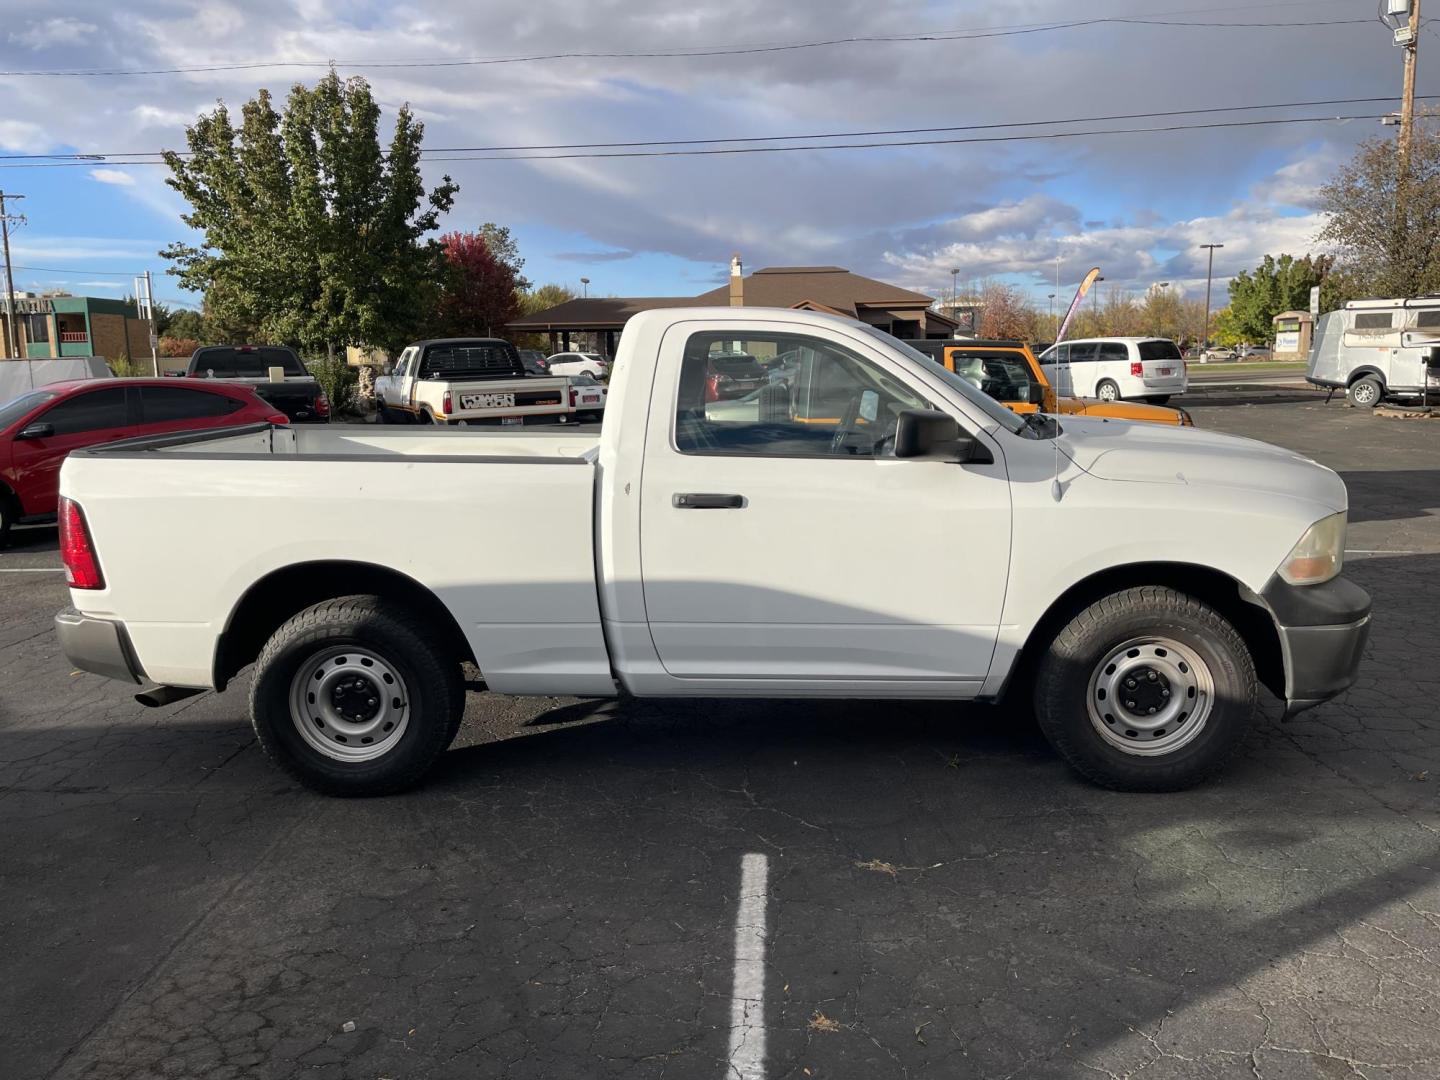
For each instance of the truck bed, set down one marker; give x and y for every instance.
(189, 523)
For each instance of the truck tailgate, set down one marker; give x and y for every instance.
(506, 543)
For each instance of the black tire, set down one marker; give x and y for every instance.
(424, 416)
(382, 414)
(1078, 658)
(1158, 399)
(1109, 384)
(398, 637)
(9, 511)
(1366, 393)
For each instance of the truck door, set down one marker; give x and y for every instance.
(783, 546)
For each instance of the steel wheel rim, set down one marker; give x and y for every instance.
(349, 704)
(1150, 696)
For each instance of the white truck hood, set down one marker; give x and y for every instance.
(1154, 454)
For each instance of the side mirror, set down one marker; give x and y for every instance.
(387, 368)
(1432, 357)
(38, 430)
(923, 432)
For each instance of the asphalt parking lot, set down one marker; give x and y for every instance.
(928, 891)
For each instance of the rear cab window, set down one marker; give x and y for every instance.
(248, 363)
(462, 360)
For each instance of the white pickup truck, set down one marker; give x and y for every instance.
(874, 527)
(465, 381)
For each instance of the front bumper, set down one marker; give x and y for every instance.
(1323, 630)
(98, 645)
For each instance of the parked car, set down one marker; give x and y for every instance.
(578, 363)
(732, 375)
(38, 428)
(297, 395)
(534, 361)
(1009, 372)
(1115, 369)
(1378, 350)
(587, 397)
(882, 530)
(1220, 352)
(468, 381)
(1253, 353)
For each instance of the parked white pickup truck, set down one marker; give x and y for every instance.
(465, 381)
(874, 528)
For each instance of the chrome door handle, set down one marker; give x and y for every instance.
(700, 501)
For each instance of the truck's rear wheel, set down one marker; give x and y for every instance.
(351, 698)
(1146, 690)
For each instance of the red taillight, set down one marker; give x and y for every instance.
(445, 404)
(712, 388)
(82, 568)
(322, 404)
(574, 397)
(1137, 370)
(277, 418)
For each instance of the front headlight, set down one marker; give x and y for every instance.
(1319, 555)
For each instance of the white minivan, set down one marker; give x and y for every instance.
(1115, 369)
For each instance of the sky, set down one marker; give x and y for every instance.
(1136, 205)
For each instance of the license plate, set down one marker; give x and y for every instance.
(1167, 371)
(590, 399)
(487, 401)
(512, 421)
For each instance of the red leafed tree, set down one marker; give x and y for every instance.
(479, 294)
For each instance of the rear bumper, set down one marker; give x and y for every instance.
(1323, 630)
(1329, 384)
(98, 645)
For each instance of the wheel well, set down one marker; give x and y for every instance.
(273, 599)
(1363, 372)
(1219, 590)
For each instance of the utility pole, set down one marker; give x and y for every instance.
(1209, 274)
(12, 330)
(1409, 38)
(154, 337)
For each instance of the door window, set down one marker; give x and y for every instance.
(817, 399)
(1060, 354)
(1083, 353)
(167, 404)
(1114, 350)
(91, 411)
(1004, 376)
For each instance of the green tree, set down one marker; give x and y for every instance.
(186, 324)
(505, 251)
(537, 300)
(1274, 286)
(1387, 232)
(312, 234)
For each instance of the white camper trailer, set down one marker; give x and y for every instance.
(1379, 349)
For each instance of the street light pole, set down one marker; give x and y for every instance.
(1052, 307)
(1209, 275)
(584, 286)
(954, 290)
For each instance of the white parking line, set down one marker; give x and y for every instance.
(32, 570)
(747, 1000)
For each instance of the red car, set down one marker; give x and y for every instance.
(38, 428)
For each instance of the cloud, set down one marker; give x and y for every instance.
(21, 136)
(113, 176)
(48, 32)
(593, 256)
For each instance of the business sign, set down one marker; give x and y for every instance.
(1287, 341)
(33, 305)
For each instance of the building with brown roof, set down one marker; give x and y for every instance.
(832, 289)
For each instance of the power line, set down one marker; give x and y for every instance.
(696, 152)
(971, 34)
(74, 270)
(93, 157)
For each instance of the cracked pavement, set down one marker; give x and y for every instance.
(945, 898)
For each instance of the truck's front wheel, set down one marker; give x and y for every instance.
(350, 699)
(1146, 690)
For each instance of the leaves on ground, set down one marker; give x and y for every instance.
(821, 1022)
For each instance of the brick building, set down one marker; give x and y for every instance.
(53, 326)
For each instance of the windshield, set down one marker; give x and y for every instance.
(997, 412)
(15, 408)
(248, 363)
